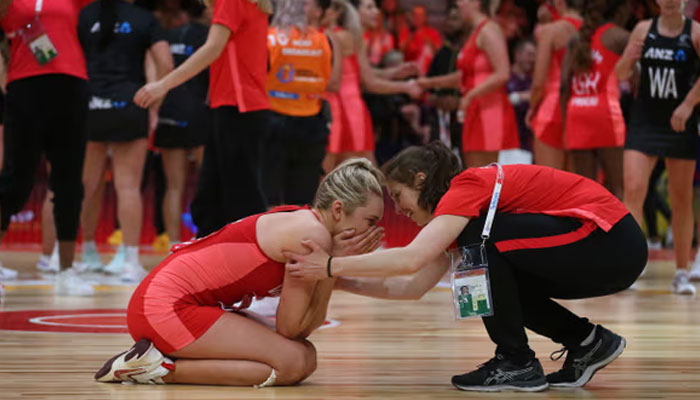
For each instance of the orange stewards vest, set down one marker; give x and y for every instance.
(300, 67)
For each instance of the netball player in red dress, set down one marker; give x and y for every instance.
(179, 315)
(489, 120)
(352, 134)
(544, 115)
(594, 125)
(555, 235)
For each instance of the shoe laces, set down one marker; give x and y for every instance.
(556, 355)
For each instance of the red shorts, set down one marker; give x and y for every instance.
(170, 325)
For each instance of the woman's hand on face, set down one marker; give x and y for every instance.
(310, 267)
(346, 243)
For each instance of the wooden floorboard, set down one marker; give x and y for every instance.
(380, 350)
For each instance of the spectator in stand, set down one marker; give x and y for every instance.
(419, 41)
(379, 41)
(394, 18)
(518, 88)
(445, 102)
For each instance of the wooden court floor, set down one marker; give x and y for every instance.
(380, 350)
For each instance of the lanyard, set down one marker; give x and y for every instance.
(38, 6)
(493, 205)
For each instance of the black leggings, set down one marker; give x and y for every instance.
(229, 186)
(45, 113)
(524, 281)
(293, 158)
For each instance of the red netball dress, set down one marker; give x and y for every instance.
(188, 292)
(594, 117)
(351, 128)
(547, 123)
(489, 120)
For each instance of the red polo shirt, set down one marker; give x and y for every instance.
(238, 76)
(532, 189)
(59, 18)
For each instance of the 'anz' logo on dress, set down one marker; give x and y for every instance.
(654, 53)
(119, 27)
(99, 103)
(181, 49)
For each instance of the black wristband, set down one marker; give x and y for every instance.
(328, 266)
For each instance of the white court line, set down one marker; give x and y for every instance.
(43, 321)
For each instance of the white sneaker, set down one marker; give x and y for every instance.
(7, 273)
(91, 261)
(69, 283)
(694, 274)
(142, 363)
(116, 266)
(45, 265)
(681, 284)
(654, 244)
(133, 273)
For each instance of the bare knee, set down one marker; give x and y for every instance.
(296, 364)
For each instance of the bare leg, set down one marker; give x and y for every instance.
(637, 169)
(226, 355)
(128, 159)
(175, 166)
(48, 228)
(611, 161)
(549, 156)
(680, 185)
(585, 163)
(480, 158)
(93, 187)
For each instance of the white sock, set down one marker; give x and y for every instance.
(89, 247)
(589, 339)
(132, 255)
(44, 259)
(682, 271)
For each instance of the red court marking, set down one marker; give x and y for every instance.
(77, 321)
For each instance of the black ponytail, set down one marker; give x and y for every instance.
(435, 160)
(108, 18)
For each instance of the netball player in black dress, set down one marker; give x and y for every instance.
(664, 123)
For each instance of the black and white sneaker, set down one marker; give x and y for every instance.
(583, 361)
(499, 374)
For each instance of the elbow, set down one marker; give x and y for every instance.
(502, 78)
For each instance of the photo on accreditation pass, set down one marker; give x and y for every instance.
(472, 295)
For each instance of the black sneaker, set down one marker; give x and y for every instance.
(583, 361)
(501, 374)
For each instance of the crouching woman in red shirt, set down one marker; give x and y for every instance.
(180, 309)
(555, 235)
